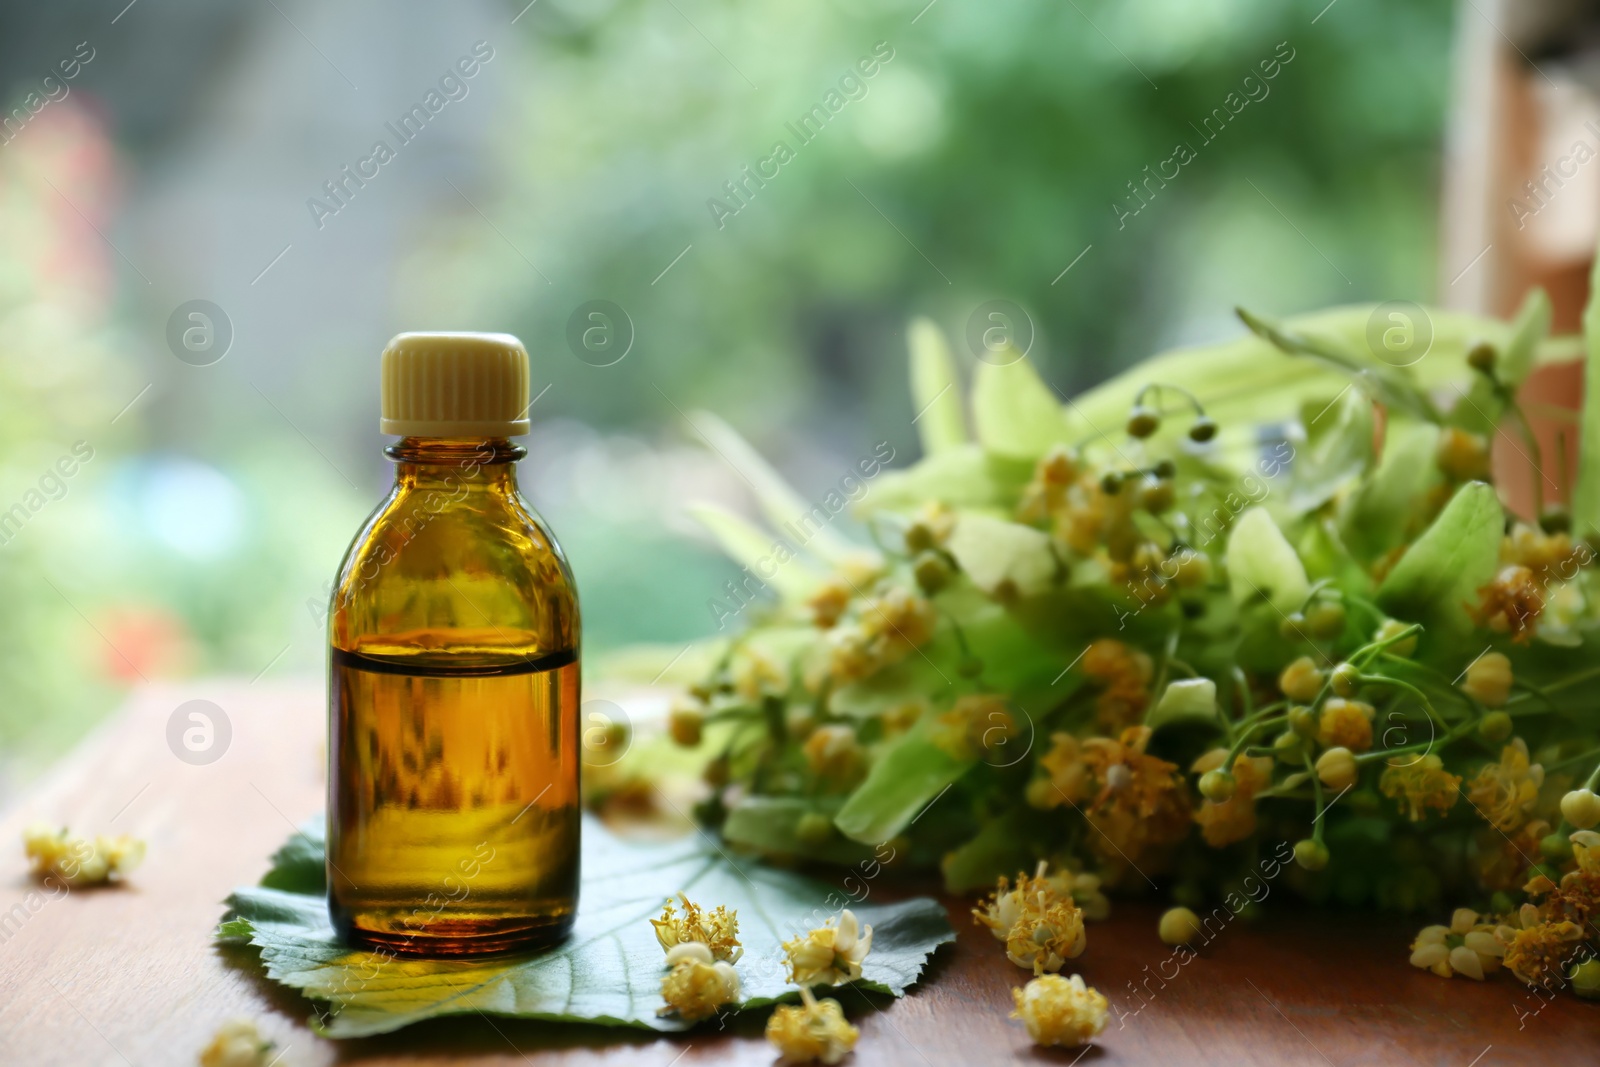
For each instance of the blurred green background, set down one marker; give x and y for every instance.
(983, 156)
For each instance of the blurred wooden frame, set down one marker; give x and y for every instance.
(1521, 199)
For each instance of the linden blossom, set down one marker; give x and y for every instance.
(1184, 153)
(453, 86)
(850, 87)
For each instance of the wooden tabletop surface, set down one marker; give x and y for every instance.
(130, 975)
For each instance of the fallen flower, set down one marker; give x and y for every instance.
(1060, 1011)
(697, 985)
(237, 1044)
(76, 860)
(815, 1030)
(830, 954)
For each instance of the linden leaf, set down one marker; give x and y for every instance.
(607, 972)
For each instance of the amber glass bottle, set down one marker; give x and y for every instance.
(453, 677)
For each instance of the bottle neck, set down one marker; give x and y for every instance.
(455, 464)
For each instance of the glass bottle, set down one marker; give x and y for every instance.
(453, 691)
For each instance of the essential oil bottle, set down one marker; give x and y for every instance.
(453, 696)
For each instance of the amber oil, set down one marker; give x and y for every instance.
(453, 818)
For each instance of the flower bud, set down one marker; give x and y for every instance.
(1586, 979)
(1157, 495)
(1556, 847)
(1302, 720)
(1581, 808)
(1301, 681)
(1143, 421)
(919, 537)
(932, 572)
(1345, 678)
(1041, 794)
(1202, 429)
(1289, 747)
(1393, 628)
(1311, 854)
(1178, 926)
(1292, 627)
(1111, 483)
(1481, 357)
(1337, 768)
(814, 829)
(683, 723)
(1325, 620)
(1495, 726)
(1217, 785)
(1489, 679)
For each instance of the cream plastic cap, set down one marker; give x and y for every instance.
(455, 385)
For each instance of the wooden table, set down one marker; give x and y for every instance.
(130, 975)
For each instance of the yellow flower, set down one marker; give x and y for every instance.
(1531, 547)
(829, 602)
(850, 657)
(1124, 675)
(1466, 946)
(889, 629)
(76, 860)
(697, 985)
(1504, 793)
(1234, 819)
(1489, 680)
(1536, 950)
(833, 753)
(1008, 905)
(1141, 802)
(1068, 772)
(1346, 724)
(237, 1044)
(1462, 455)
(1053, 475)
(1060, 1011)
(815, 1030)
(1047, 935)
(830, 954)
(1511, 603)
(1577, 898)
(717, 930)
(755, 675)
(976, 723)
(1301, 681)
(900, 620)
(1421, 783)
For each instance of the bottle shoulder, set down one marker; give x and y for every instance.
(481, 569)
